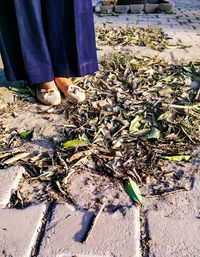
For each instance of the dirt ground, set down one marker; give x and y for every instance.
(87, 188)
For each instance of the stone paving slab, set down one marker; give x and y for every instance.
(174, 225)
(19, 230)
(185, 33)
(175, 56)
(9, 180)
(156, 20)
(182, 4)
(187, 4)
(115, 234)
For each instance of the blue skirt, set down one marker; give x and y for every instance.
(44, 39)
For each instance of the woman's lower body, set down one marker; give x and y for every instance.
(41, 40)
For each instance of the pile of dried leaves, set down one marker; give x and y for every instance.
(141, 114)
(153, 38)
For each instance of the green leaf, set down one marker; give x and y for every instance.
(85, 138)
(47, 176)
(153, 121)
(165, 91)
(74, 143)
(28, 134)
(133, 191)
(197, 110)
(118, 143)
(154, 133)
(26, 91)
(177, 158)
(135, 124)
(165, 116)
(168, 78)
(190, 69)
(20, 90)
(94, 121)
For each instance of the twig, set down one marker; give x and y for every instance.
(16, 158)
(186, 108)
(184, 131)
(167, 193)
(92, 224)
(72, 169)
(4, 155)
(35, 158)
(66, 179)
(198, 95)
(11, 151)
(63, 162)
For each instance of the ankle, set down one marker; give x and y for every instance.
(63, 80)
(47, 85)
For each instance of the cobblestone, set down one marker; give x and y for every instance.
(183, 28)
(114, 234)
(136, 8)
(9, 179)
(151, 8)
(19, 230)
(166, 7)
(121, 8)
(174, 226)
(187, 4)
(107, 9)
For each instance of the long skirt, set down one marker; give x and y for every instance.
(44, 39)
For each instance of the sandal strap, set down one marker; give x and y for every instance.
(76, 93)
(49, 96)
(47, 91)
(74, 88)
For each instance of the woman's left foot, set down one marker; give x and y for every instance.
(48, 93)
(70, 90)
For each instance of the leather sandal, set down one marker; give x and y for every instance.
(49, 96)
(75, 93)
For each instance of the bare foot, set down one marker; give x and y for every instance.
(48, 93)
(70, 90)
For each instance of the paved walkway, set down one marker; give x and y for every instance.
(171, 227)
(49, 230)
(187, 4)
(183, 28)
(173, 224)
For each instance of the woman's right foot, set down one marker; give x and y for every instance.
(70, 90)
(48, 93)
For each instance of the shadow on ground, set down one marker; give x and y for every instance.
(5, 83)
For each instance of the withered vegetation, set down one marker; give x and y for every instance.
(140, 114)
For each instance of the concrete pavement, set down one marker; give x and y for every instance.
(51, 231)
(116, 234)
(183, 28)
(173, 224)
(187, 4)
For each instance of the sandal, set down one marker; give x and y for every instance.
(75, 93)
(49, 96)
(70, 90)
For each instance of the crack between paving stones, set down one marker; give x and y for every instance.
(91, 225)
(145, 234)
(46, 219)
